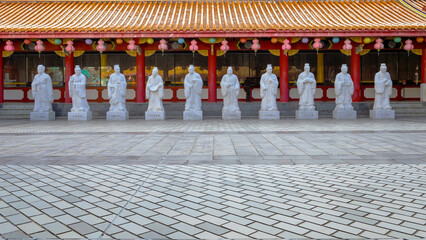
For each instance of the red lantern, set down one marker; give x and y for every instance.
(70, 48)
(101, 46)
(243, 40)
(347, 46)
(9, 46)
(286, 46)
(27, 41)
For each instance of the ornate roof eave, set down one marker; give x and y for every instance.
(197, 34)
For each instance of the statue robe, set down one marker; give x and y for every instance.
(193, 88)
(230, 88)
(344, 88)
(306, 91)
(268, 92)
(77, 91)
(117, 92)
(43, 93)
(155, 93)
(383, 89)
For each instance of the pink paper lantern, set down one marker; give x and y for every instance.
(194, 46)
(347, 46)
(132, 46)
(224, 46)
(39, 47)
(286, 46)
(408, 45)
(101, 46)
(9, 46)
(162, 46)
(379, 45)
(70, 48)
(255, 46)
(317, 43)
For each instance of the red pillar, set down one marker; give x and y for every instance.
(1, 78)
(212, 75)
(140, 77)
(69, 71)
(423, 65)
(284, 91)
(356, 75)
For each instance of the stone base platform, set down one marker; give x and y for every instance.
(344, 114)
(79, 116)
(231, 115)
(269, 115)
(193, 116)
(155, 115)
(382, 114)
(42, 116)
(306, 114)
(117, 116)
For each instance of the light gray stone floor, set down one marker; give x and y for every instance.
(218, 179)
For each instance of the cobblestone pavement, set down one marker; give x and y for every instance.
(212, 201)
(218, 179)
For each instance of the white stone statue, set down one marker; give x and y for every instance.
(117, 91)
(193, 88)
(306, 86)
(42, 91)
(268, 90)
(77, 91)
(383, 88)
(230, 88)
(344, 88)
(155, 91)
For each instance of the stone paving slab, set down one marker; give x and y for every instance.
(214, 201)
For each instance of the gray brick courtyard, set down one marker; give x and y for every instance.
(214, 179)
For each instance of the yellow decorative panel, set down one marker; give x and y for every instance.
(7, 53)
(149, 53)
(417, 51)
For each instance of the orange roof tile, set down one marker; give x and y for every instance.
(231, 16)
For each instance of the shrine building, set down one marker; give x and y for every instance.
(247, 35)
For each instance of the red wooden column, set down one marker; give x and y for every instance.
(1, 78)
(423, 65)
(284, 90)
(356, 75)
(212, 75)
(140, 77)
(69, 71)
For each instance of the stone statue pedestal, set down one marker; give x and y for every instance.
(306, 114)
(155, 115)
(120, 116)
(382, 114)
(344, 114)
(79, 116)
(231, 115)
(269, 115)
(42, 116)
(193, 115)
